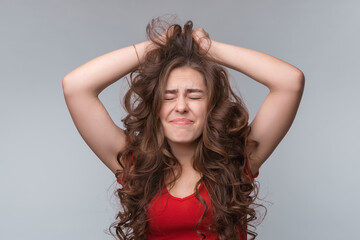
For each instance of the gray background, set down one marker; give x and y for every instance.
(53, 186)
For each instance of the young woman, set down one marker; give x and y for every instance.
(187, 157)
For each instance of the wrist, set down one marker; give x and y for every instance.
(213, 50)
(141, 50)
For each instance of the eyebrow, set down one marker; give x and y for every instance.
(189, 90)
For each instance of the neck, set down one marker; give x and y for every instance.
(184, 152)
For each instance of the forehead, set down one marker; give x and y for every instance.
(185, 77)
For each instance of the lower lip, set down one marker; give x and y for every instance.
(181, 123)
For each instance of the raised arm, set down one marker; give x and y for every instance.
(277, 112)
(81, 89)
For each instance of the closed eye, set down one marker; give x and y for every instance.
(190, 97)
(193, 98)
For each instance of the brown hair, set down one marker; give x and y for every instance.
(219, 153)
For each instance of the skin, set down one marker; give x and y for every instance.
(284, 82)
(180, 102)
(83, 85)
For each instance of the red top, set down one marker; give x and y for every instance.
(175, 218)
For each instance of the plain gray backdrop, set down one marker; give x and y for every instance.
(53, 186)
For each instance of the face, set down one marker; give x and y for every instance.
(184, 107)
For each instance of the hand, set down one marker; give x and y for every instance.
(202, 38)
(166, 35)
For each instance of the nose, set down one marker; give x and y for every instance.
(181, 105)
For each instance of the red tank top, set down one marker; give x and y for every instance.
(175, 218)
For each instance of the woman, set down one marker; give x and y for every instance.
(187, 157)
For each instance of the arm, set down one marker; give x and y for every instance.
(285, 83)
(97, 74)
(81, 88)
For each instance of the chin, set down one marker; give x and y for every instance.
(182, 140)
(179, 141)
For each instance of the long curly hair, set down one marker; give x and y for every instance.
(220, 150)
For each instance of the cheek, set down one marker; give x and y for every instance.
(201, 112)
(163, 112)
(201, 109)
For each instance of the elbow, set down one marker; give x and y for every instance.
(65, 84)
(300, 80)
(297, 80)
(73, 86)
(67, 79)
(68, 85)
